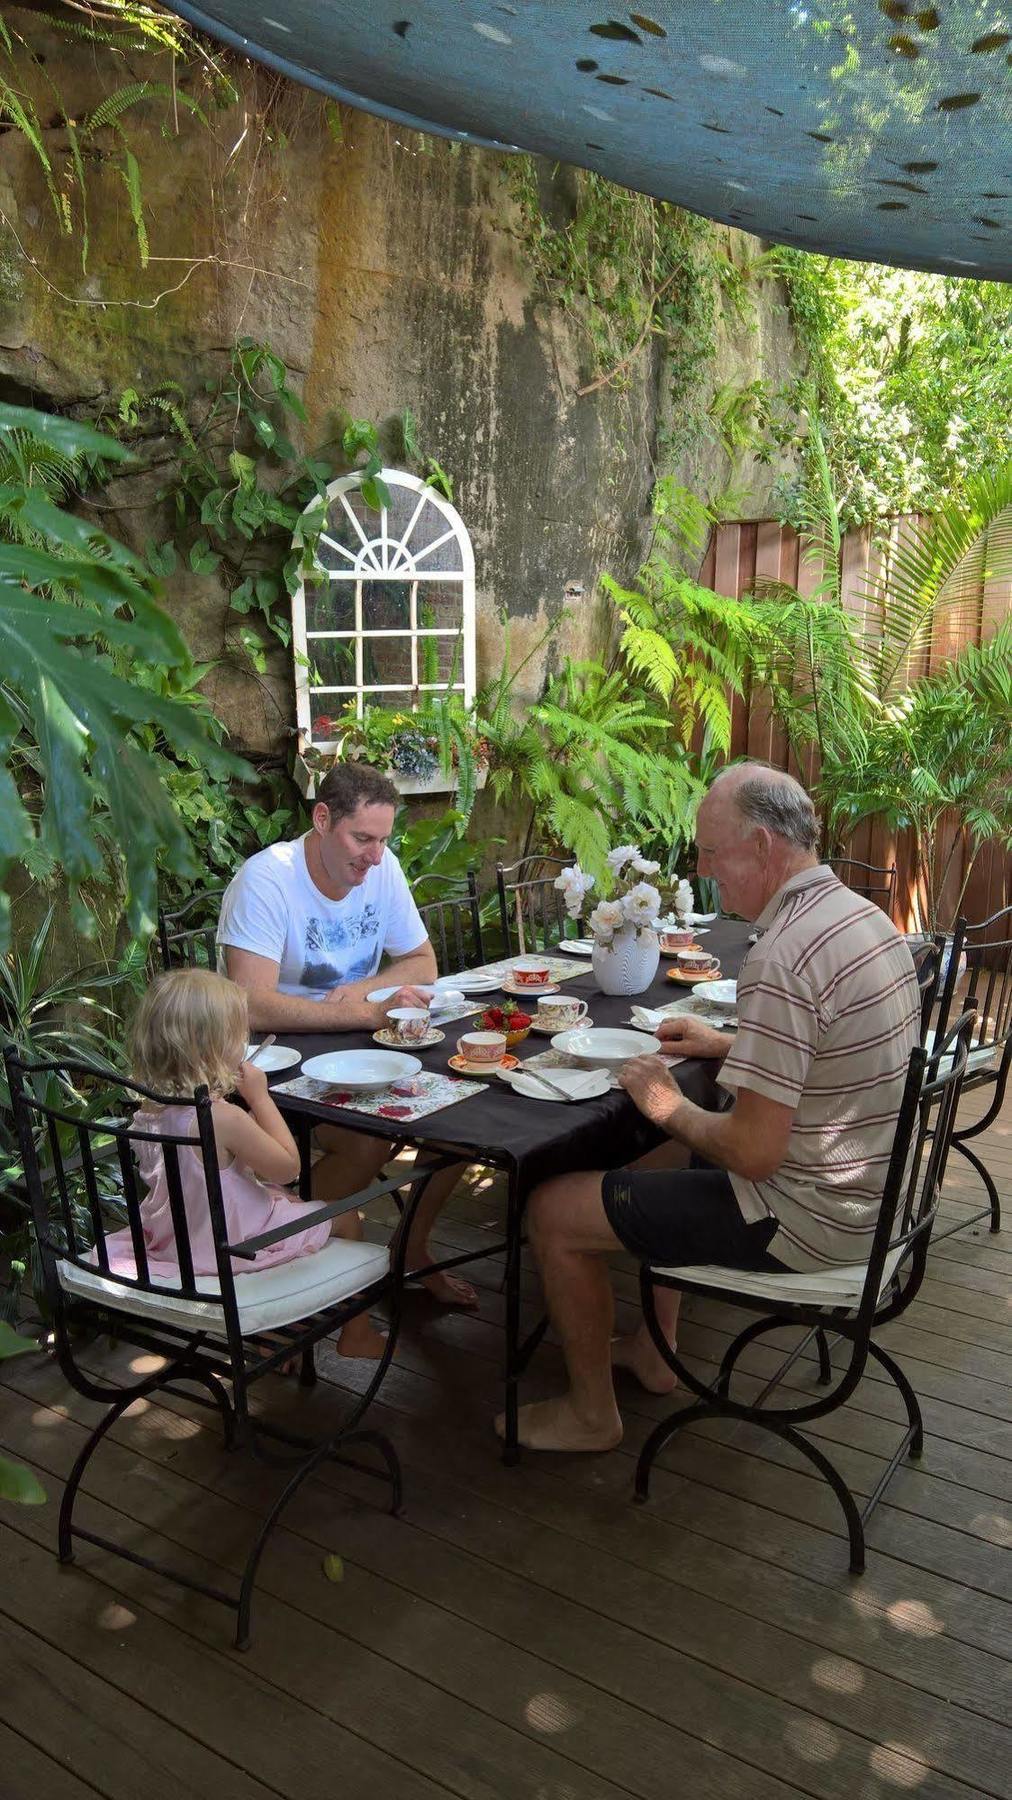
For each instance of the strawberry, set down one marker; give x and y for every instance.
(504, 1018)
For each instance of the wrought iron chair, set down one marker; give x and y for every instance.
(988, 951)
(219, 1333)
(850, 1302)
(873, 881)
(929, 961)
(531, 913)
(191, 946)
(452, 919)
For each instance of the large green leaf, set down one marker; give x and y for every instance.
(77, 612)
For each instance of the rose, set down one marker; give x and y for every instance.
(605, 920)
(573, 884)
(622, 854)
(641, 904)
(643, 867)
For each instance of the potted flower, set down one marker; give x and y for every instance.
(624, 926)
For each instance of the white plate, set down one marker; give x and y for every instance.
(604, 1048)
(277, 1056)
(576, 946)
(582, 1084)
(362, 1071)
(722, 994)
(477, 984)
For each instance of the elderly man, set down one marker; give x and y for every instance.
(792, 1174)
(303, 926)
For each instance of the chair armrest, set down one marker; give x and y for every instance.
(316, 1215)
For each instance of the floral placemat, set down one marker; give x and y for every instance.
(412, 1098)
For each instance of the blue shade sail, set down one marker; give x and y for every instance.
(875, 129)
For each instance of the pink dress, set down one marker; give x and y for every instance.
(251, 1207)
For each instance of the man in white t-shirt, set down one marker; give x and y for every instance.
(303, 928)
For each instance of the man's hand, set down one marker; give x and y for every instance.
(686, 1036)
(408, 996)
(652, 1087)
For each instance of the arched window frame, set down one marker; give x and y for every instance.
(389, 559)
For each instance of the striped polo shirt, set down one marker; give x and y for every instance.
(828, 1011)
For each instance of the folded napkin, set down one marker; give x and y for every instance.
(646, 1018)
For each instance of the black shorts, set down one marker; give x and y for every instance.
(678, 1216)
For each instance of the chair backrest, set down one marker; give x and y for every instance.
(988, 951)
(531, 911)
(192, 945)
(83, 1151)
(917, 1163)
(453, 922)
(929, 958)
(984, 953)
(873, 881)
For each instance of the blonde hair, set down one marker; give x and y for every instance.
(190, 1031)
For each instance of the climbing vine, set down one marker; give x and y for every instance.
(635, 271)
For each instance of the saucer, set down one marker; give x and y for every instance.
(549, 1030)
(687, 978)
(483, 1070)
(676, 952)
(519, 993)
(393, 1042)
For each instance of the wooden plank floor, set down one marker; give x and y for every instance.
(528, 1632)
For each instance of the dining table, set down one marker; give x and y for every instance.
(527, 1139)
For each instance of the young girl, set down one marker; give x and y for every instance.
(191, 1030)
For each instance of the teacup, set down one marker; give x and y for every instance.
(482, 1046)
(677, 937)
(560, 1011)
(409, 1024)
(530, 972)
(696, 962)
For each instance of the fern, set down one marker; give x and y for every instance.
(132, 178)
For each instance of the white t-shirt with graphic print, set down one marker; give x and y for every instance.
(274, 908)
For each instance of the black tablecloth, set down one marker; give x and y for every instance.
(538, 1137)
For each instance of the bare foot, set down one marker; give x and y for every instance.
(641, 1357)
(360, 1338)
(553, 1425)
(449, 1290)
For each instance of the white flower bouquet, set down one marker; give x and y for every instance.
(635, 902)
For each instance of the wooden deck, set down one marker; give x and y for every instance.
(528, 1632)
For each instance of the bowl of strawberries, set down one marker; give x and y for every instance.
(508, 1018)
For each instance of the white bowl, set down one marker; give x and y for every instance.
(276, 1056)
(604, 1047)
(361, 1071)
(722, 994)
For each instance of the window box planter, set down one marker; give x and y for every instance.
(305, 781)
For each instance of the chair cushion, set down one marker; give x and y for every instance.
(841, 1286)
(277, 1295)
(984, 1057)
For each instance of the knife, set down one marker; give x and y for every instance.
(557, 1092)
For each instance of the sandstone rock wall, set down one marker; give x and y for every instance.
(385, 269)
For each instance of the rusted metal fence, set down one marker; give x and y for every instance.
(740, 554)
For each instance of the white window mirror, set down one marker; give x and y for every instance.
(391, 622)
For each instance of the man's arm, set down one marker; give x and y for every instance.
(343, 1009)
(750, 1140)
